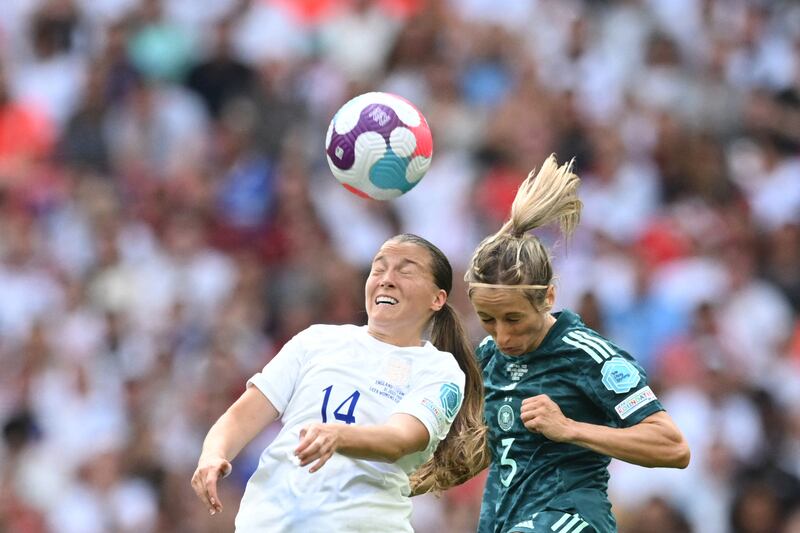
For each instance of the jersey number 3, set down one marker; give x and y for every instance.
(347, 418)
(505, 461)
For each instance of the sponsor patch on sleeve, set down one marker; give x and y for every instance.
(634, 402)
(438, 413)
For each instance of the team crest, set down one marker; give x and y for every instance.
(505, 417)
(619, 375)
(450, 396)
(398, 372)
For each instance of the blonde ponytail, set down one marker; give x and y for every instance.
(513, 256)
(550, 195)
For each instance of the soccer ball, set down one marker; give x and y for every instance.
(379, 145)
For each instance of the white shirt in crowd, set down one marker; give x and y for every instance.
(342, 375)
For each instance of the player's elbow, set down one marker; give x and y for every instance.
(681, 455)
(401, 447)
(388, 449)
(394, 451)
(403, 437)
(667, 456)
(676, 454)
(393, 455)
(673, 450)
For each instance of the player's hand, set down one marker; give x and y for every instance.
(204, 481)
(318, 442)
(542, 415)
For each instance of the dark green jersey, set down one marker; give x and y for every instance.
(592, 381)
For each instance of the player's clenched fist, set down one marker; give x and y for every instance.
(318, 442)
(542, 415)
(204, 481)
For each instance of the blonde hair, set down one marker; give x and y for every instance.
(512, 256)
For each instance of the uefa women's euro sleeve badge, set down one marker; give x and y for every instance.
(450, 396)
(619, 375)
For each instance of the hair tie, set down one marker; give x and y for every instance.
(500, 286)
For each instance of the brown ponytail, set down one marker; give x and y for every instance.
(463, 453)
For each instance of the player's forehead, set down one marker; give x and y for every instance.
(394, 252)
(497, 302)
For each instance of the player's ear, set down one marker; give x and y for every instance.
(550, 297)
(439, 300)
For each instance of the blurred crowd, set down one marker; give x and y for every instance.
(168, 220)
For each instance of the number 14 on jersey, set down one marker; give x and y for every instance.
(338, 414)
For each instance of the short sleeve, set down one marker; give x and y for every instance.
(614, 381)
(435, 401)
(278, 378)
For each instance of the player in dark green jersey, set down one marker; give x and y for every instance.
(560, 400)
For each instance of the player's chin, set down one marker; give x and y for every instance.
(387, 309)
(380, 312)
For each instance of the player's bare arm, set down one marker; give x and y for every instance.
(401, 435)
(654, 442)
(243, 420)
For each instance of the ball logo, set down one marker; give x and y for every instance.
(619, 375)
(505, 417)
(380, 116)
(339, 152)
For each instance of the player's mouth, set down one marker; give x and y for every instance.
(382, 299)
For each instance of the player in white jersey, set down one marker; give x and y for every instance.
(371, 404)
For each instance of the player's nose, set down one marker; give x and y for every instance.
(502, 336)
(386, 279)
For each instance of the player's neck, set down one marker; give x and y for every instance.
(393, 337)
(549, 322)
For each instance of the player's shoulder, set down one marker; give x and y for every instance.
(593, 355)
(441, 362)
(583, 345)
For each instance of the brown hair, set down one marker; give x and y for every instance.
(512, 256)
(463, 453)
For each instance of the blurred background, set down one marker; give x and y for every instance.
(168, 220)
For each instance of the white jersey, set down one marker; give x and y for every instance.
(343, 375)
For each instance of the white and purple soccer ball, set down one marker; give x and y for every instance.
(379, 145)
